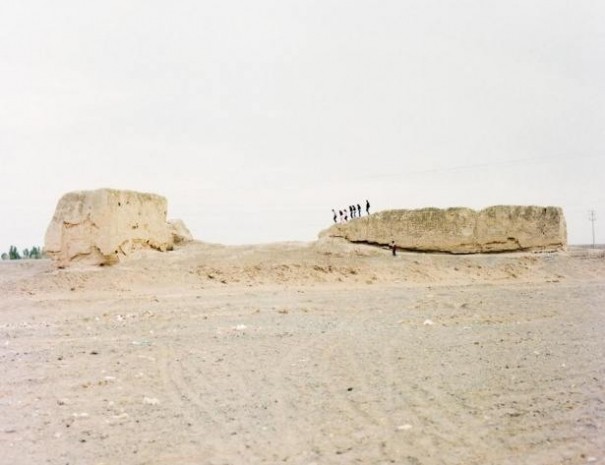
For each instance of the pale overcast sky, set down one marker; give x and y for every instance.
(256, 118)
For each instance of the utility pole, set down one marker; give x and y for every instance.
(592, 217)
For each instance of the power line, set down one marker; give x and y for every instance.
(549, 159)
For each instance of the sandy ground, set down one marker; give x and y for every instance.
(322, 353)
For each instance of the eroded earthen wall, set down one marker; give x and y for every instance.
(460, 230)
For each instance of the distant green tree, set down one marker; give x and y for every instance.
(35, 253)
(13, 253)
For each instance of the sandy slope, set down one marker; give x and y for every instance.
(322, 353)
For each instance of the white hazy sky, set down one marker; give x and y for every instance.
(256, 118)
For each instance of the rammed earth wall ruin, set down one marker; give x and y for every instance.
(460, 230)
(102, 227)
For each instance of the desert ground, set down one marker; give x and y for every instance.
(305, 353)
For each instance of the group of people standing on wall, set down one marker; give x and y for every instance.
(352, 211)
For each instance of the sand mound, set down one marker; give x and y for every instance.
(198, 265)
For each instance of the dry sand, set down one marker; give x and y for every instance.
(322, 353)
